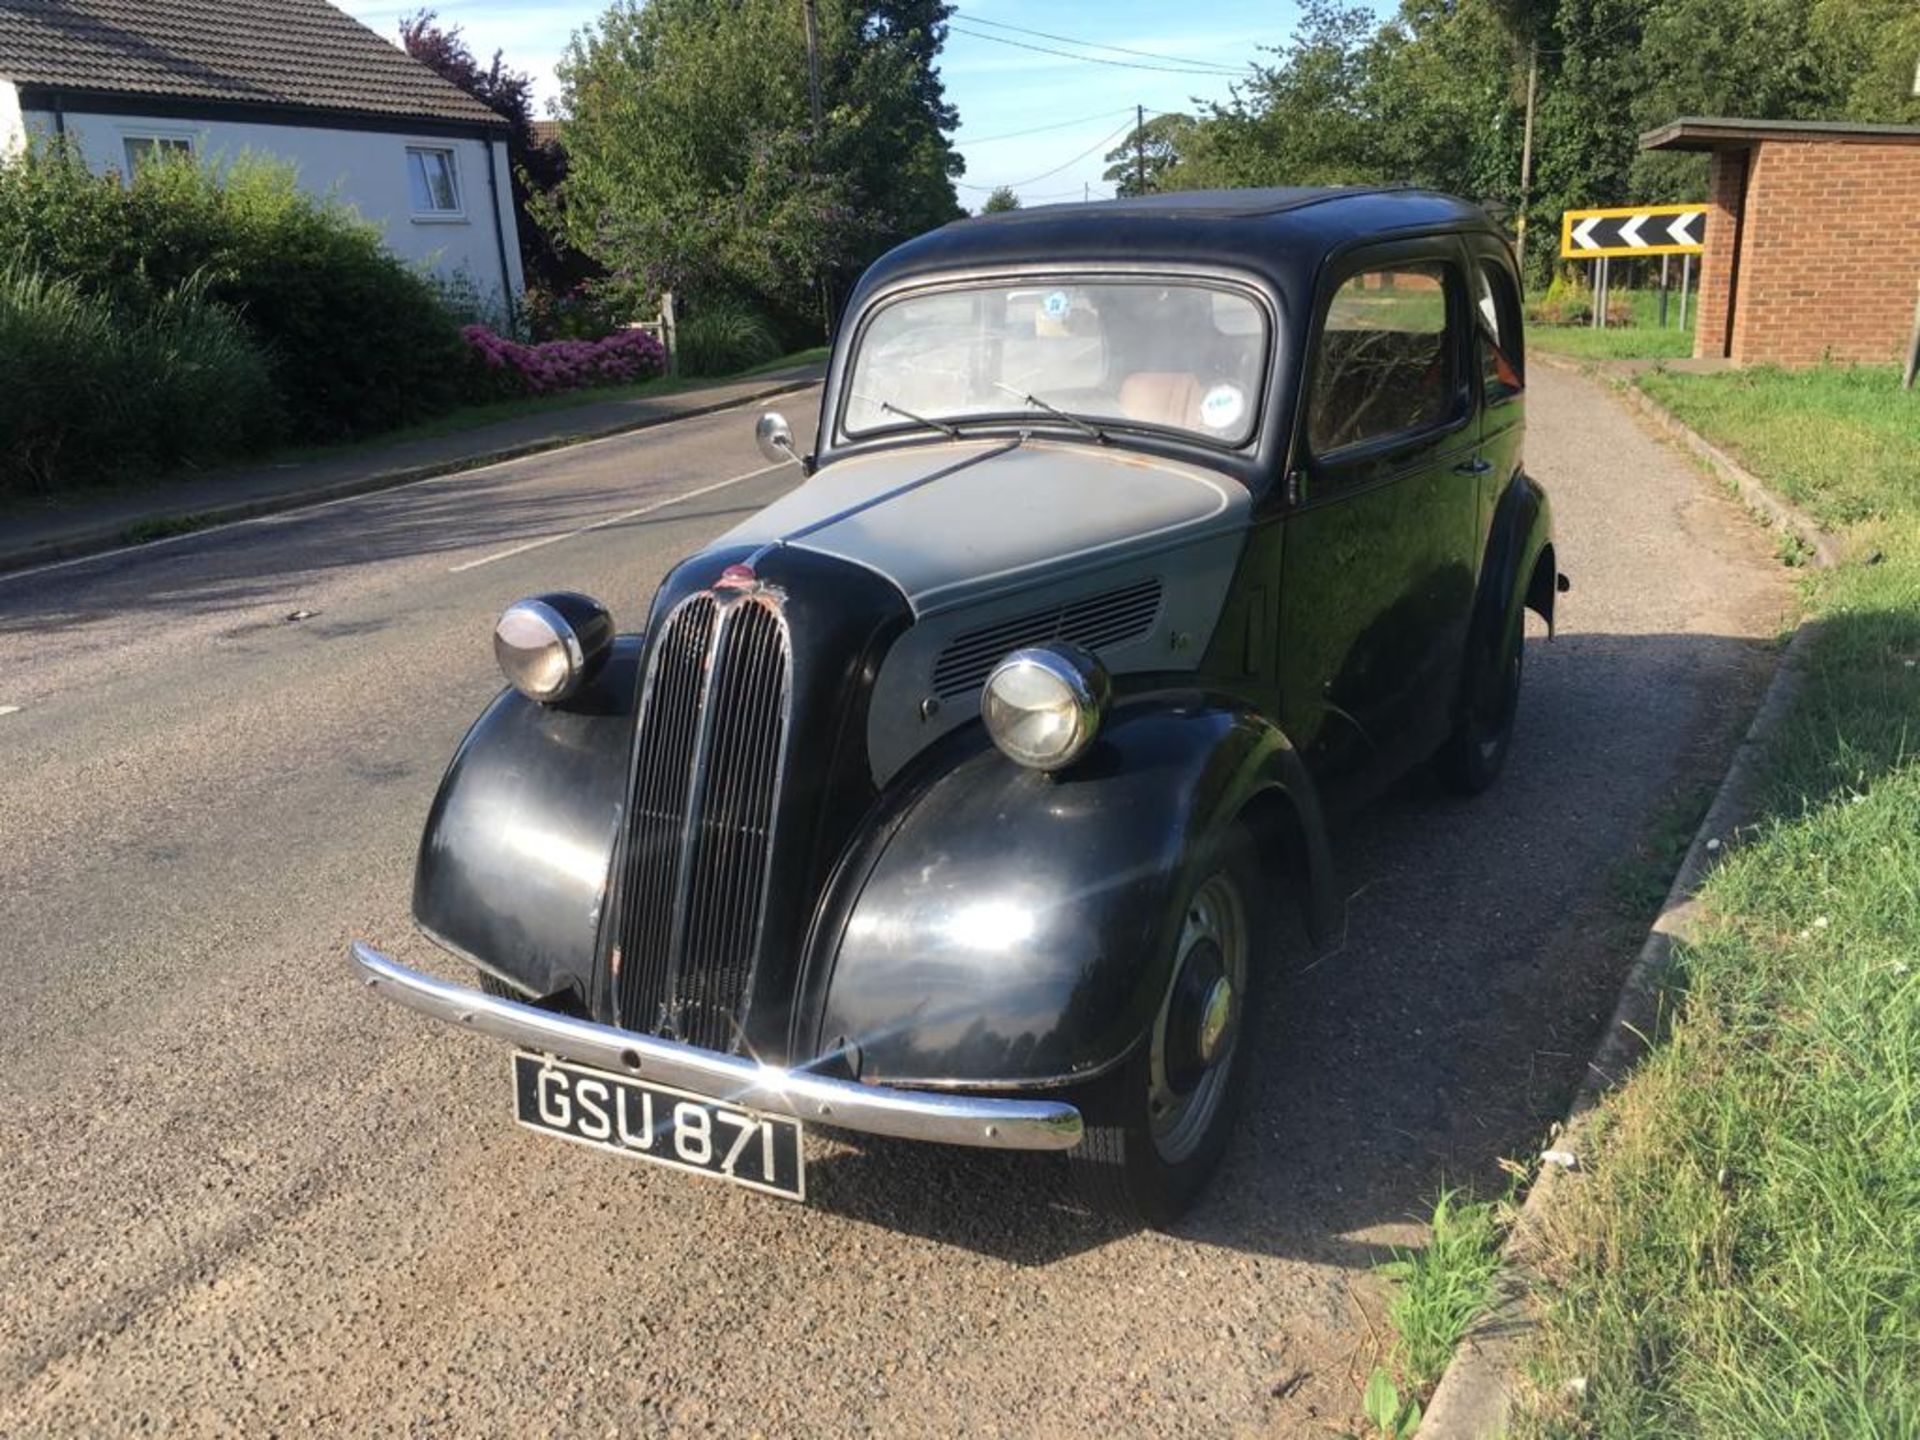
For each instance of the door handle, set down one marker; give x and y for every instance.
(1479, 465)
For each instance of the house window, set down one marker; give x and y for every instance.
(144, 148)
(431, 178)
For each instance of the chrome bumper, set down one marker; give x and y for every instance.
(905, 1114)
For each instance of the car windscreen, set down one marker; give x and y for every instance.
(1176, 356)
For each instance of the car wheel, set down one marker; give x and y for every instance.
(1156, 1125)
(1476, 752)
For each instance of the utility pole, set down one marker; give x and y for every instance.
(813, 148)
(813, 70)
(1140, 149)
(1526, 156)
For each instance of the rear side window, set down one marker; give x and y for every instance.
(1497, 318)
(1385, 365)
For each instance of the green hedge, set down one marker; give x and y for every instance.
(354, 341)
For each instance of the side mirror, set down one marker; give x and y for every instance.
(775, 438)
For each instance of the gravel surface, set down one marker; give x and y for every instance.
(243, 1196)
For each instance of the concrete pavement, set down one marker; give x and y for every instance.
(245, 1196)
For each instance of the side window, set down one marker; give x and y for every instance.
(1496, 312)
(145, 149)
(432, 181)
(1386, 359)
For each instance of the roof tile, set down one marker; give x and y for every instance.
(301, 53)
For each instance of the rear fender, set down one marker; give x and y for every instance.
(1007, 928)
(1517, 570)
(512, 870)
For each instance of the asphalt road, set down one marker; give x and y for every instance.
(242, 1195)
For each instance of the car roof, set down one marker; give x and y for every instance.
(1279, 234)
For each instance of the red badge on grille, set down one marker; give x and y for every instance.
(738, 576)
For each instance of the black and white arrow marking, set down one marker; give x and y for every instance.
(1639, 232)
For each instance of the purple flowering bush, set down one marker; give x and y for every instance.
(509, 367)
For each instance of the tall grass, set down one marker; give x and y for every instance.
(1442, 1288)
(725, 338)
(94, 394)
(1744, 1258)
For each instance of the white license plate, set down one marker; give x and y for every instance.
(650, 1122)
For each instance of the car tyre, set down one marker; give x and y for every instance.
(1474, 755)
(1157, 1125)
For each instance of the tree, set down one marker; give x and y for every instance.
(1436, 94)
(1160, 139)
(1300, 121)
(536, 169)
(1002, 199)
(694, 167)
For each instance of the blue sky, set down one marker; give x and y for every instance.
(999, 87)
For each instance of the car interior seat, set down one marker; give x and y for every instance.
(1162, 397)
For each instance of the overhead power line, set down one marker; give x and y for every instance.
(1101, 45)
(1088, 59)
(1037, 129)
(1107, 139)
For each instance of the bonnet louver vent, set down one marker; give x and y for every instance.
(1099, 621)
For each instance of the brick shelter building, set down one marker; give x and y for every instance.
(1812, 241)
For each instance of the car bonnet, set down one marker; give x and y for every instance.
(953, 523)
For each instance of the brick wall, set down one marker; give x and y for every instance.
(1713, 325)
(1829, 253)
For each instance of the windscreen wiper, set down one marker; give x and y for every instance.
(1074, 420)
(952, 432)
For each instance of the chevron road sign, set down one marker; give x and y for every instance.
(1633, 230)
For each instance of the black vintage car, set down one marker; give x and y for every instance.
(951, 796)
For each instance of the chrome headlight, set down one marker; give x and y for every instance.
(549, 645)
(1043, 705)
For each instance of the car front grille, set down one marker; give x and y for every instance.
(714, 711)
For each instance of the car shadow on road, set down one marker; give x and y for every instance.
(1485, 941)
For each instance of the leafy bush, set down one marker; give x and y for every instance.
(467, 302)
(583, 313)
(91, 395)
(617, 359)
(354, 339)
(1569, 301)
(724, 338)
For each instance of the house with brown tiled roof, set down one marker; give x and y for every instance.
(357, 117)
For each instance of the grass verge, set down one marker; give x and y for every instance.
(1644, 339)
(1742, 1257)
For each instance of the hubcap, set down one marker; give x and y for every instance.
(1215, 1016)
(1195, 1033)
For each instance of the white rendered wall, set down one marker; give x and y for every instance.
(364, 169)
(13, 124)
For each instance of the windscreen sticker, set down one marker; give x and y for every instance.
(1222, 407)
(1057, 304)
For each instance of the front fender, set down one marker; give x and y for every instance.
(1008, 928)
(513, 865)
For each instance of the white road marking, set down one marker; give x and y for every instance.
(452, 477)
(602, 524)
(9, 709)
